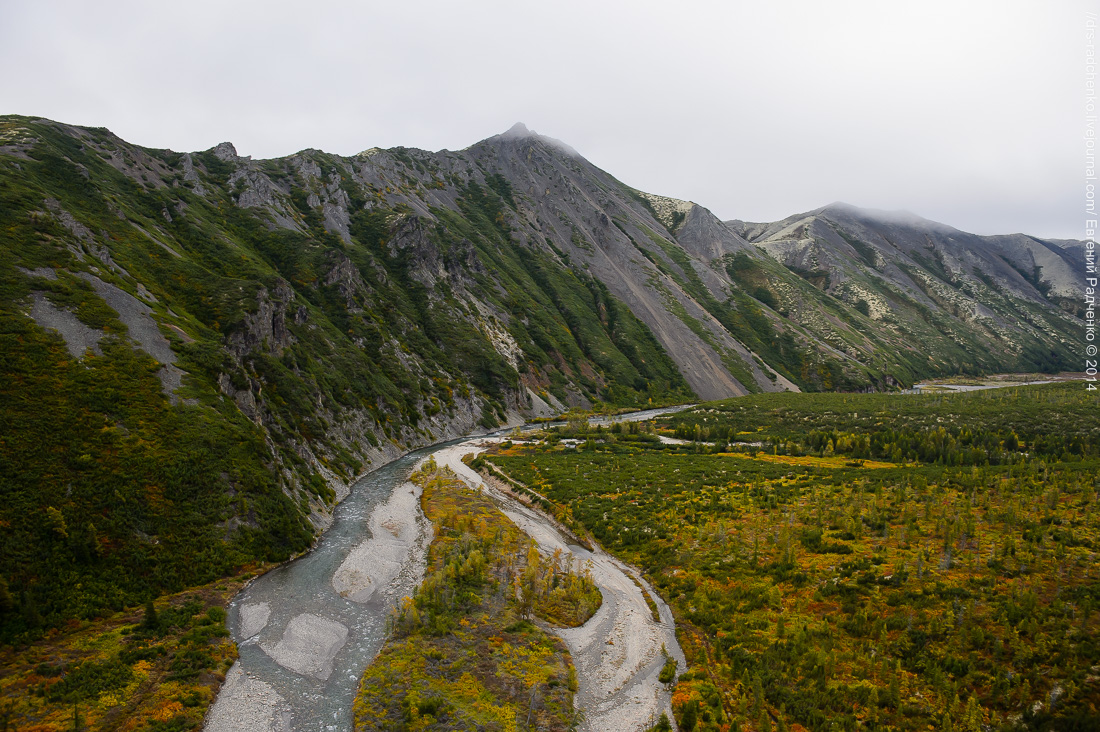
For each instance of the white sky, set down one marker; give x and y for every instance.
(970, 113)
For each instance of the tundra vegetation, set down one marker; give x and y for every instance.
(465, 652)
(837, 561)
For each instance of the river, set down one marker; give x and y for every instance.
(308, 629)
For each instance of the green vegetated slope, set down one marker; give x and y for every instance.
(859, 561)
(185, 378)
(153, 669)
(464, 653)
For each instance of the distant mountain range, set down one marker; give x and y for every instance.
(328, 312)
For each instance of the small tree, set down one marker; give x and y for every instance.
(972, 717)
(151, 621)
(689, 715)
(668, 671)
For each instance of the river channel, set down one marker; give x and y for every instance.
(308, 629)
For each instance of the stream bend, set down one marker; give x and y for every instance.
(307, 630)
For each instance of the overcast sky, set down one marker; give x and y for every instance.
(969, 113)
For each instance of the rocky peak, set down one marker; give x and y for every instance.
(520, 133)
(516, 131)
(225, 152)
(839, 211)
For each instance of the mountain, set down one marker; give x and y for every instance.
(989, 295)
(201, 351)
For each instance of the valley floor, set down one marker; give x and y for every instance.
(838, 562)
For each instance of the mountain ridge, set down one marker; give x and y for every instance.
(325, 313)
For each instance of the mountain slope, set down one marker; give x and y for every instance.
(198, 355)
(200, 351)
(966, 302)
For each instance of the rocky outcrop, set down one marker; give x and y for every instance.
(265, 328)
(226, 152)
(334, 211)
(345, 276)
(244, 398)
(190, 175)
(703, 235)
(83, 234)
(408, 238)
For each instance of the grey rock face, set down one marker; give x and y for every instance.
(260, 193)
(226, 152)
(141, 327)
(345, 276)
(84, 234)
(1059, 265)
(566, 199)
(243, 398)
(409, 237)
(308, 168)
(191, 176)
(79, 338)
(705, 236)
(337, 219)
(265, 328)
(79, 230)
